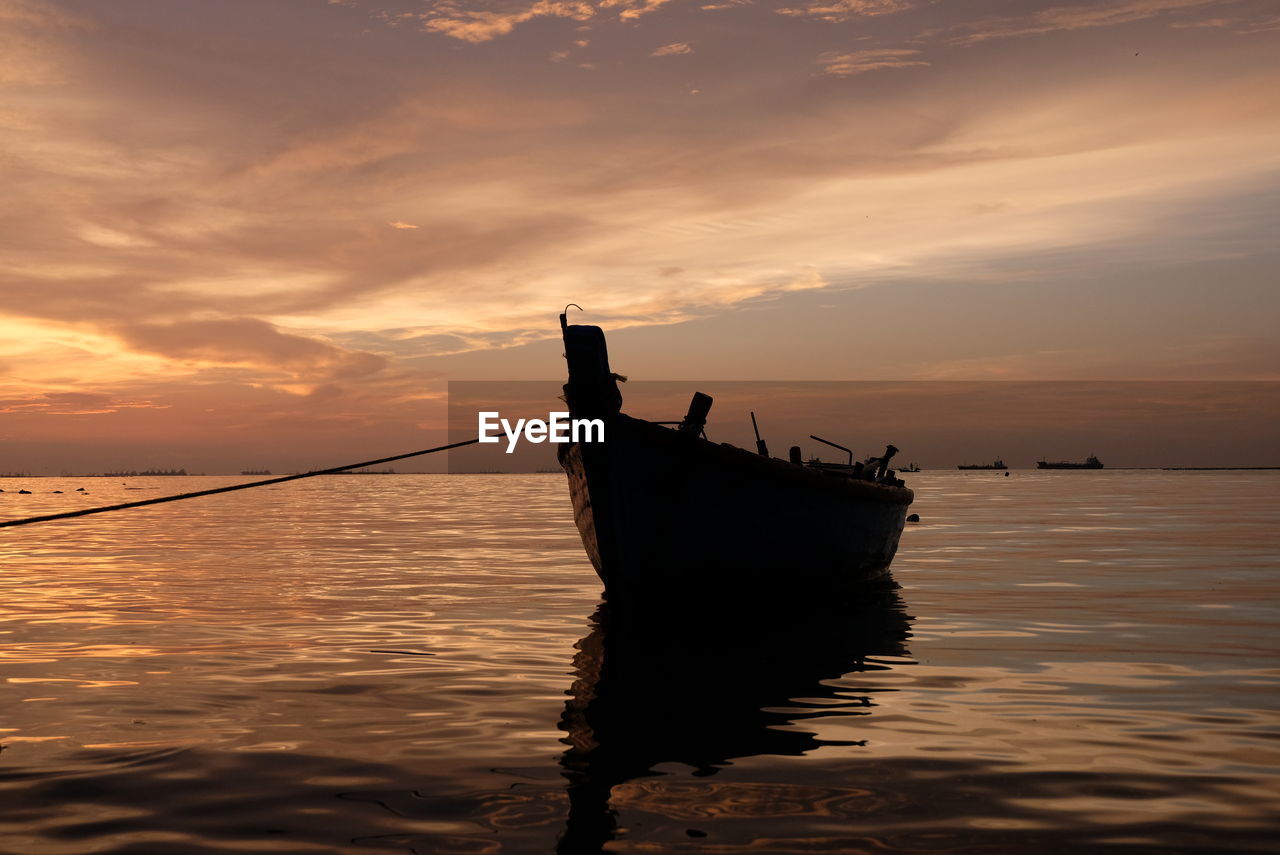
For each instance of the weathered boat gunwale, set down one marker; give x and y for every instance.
(827, 480)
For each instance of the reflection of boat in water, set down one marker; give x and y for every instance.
(705, 693)
(997, 464)
(665, 514)
(1091, 462)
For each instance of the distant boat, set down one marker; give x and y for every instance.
(667, 516)
(998, 464)
(1090, 463)
(148, 473)
(255, 471)
(910, 467)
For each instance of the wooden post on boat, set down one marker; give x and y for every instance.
(592, 390)
(889, 451)
(696, 419)
(761, 448)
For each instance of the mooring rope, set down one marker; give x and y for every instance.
(245, 486)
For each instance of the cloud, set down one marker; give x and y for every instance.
(32, 54)
(1205, 357)
(481, 25)
(633, 9)
(839, 11)
(400, 224)
(874, 59)
(79, 399)
(249, 341)
(478, 21)
(672, 49)
(1237, 24)
(1080, 17)
(72, 404)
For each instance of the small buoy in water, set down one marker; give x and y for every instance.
(57, 491)
(81, 490)
(28, 492)
(1006, 474)
(913, 518)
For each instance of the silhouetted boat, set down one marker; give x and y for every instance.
(1090, 463)
(998, 464)
(910, 467)
(666, 514)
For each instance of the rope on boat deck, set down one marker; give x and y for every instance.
(233, 487)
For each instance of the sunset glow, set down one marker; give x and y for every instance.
(278, 229)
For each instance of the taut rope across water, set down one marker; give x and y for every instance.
(162, 499)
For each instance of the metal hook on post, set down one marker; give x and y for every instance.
(564, 316)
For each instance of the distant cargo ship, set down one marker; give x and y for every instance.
(1090, 463)
(255, 471)
(149, 473)
(998, 464)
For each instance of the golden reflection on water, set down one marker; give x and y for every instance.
(416, 664)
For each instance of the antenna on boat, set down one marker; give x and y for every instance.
(834, 445)
(761, 448)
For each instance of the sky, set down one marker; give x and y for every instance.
(239, 234)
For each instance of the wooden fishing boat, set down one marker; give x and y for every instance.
(665, 513)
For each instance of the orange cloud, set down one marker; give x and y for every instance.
(862, 61)
(32, 53)
(633, 9)
(672, 49)
(838, 11)
(1074, 18)
(74, 404)
(481, 25)
(249, 341)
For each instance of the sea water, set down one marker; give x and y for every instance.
(1074, 662)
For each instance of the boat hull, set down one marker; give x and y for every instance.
(665, 514)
